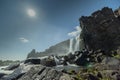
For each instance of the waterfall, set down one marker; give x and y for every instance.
(74, 44)
(71, 45)
(75, 40)
(77, 44)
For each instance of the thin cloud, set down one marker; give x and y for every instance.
(23, 40)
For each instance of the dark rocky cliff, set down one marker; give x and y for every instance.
(101, 30)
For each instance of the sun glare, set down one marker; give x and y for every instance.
(31, 12)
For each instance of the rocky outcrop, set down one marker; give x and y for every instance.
(58, 49)
(101, 30)
(44, 73)
(48, 62)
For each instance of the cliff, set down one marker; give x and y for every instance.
(101, 30)
(58, 49)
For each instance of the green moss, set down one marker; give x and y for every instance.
(117, 56)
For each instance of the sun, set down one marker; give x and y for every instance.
(31, 12)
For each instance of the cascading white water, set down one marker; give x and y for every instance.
(77, 44)
(75, 40)
(71, 45)
(56, 60)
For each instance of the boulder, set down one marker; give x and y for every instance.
(48, 62)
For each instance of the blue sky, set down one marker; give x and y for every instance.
(53, 20)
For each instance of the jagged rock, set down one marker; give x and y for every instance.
(18, 72)
(66, 77)
(101, 30)
(31, 73)
(32, 53)
(1, 75)
(92, 77)
(111, 61)
(71, 56)
(82, 60)
(117, 12)
(48, 62)
(99, 75)
(36, 72)
(44, 73)
(12, 66)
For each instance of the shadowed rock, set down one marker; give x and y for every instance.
(101, 30)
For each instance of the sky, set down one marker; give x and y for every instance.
(39, 24)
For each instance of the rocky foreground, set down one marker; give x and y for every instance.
(44, 73)
(39, 72)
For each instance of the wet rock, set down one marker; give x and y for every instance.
(1, 75)
(117, 12)
(12, 66)
(99, 75)
(31, 73)
(34, 61)
(18, 72)
(71, 56)
(48, 62)
(44, 73)
(82, 60)
(111, 61)
(65, 77)
(92, 77)
(118, 77)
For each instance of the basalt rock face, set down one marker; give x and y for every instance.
(101, 30)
